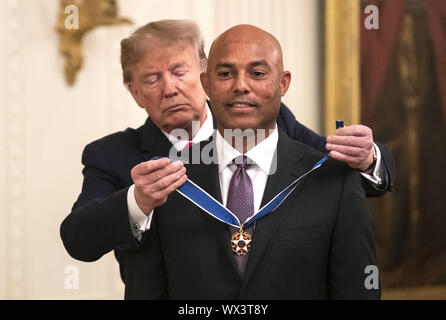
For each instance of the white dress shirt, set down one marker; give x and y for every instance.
(138, 220)
(262, 155)
(375, 178)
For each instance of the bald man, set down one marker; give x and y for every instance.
(315, 244)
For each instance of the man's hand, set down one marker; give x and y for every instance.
(353, 145)
(154, 180)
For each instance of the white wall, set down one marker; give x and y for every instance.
(45, 124)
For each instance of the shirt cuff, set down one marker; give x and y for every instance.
(375, 178)
(139, 221)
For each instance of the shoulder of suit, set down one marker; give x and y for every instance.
(313, 155)
(120, 140)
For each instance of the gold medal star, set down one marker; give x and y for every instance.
(241, 242)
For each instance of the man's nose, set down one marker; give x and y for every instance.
(241, 84)
(170, 87)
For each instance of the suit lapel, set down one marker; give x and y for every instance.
(291, 164)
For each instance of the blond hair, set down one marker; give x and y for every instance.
(171, 31)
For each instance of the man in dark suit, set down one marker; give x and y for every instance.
(316, 244)
(161, 63)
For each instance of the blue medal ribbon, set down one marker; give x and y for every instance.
(209, 204)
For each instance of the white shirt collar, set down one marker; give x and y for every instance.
(262, 154)
(206, 130)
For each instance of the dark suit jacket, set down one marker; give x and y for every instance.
(99, 221)
(316, 245)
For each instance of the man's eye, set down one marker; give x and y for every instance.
(224, 74)
(258, 74)
(151, 80)
(180, 73)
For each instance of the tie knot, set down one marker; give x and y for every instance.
(240, 161)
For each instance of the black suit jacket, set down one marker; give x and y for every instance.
(316, 245)
(99, 220)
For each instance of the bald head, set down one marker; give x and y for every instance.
(245, 79)
(247, 34)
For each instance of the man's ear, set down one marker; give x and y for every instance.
(285, 80)
(135, 93)
(205, 82)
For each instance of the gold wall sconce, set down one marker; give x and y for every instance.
(76, 19)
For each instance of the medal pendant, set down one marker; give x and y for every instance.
(241, 242)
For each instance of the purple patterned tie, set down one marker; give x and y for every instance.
(241, 203)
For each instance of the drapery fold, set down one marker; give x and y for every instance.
(377, 49)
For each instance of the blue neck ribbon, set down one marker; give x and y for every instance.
(209, 204)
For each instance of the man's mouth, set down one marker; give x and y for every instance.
(173, 107)
(241, 104)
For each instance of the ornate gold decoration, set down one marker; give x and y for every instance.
(342, 69)
(91, 14)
